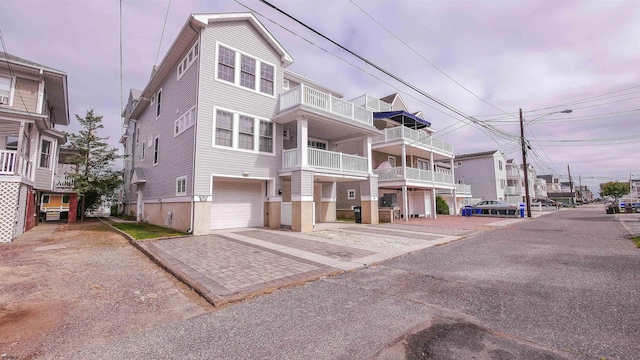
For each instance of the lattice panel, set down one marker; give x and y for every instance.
(8, 204)
(21, 212)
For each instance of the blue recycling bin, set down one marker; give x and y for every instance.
(521, 210)
(467, 211)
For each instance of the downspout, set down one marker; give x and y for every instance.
(195, 131)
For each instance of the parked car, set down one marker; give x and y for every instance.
(494, 204)
(548, 202)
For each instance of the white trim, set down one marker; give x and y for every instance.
(327, 200)
(178, 180)
(156, 151)
(12, 88)
(158, 107)
(180, 68)
(301, 198)
(137, 130)
(176, 199)
(51, 153)
(185, 119)
(40, 97)
(236, 131)
(143, 151)
(349, 196)
(237, 65)
(368, 198)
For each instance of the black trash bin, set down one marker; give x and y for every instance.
(609, 210)
(357, 214)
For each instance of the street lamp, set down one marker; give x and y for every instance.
(524, 156)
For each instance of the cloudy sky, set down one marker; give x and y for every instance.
(487, 59)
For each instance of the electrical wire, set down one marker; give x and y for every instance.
(13, 76)
(162, 35)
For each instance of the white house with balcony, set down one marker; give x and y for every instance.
(33, 101)
(411, 164)
(485, 172)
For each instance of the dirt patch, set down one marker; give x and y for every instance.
(57, 300)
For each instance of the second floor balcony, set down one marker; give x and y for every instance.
(411, 137)
(13, 163)
(416, 176)
(513, 190)
(326, 160)
(325, 104)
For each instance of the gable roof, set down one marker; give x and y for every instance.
(24, 62)
(476, 155)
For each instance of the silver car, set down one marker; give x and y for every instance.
(494, 207)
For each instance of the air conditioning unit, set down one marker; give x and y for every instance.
(4, 100)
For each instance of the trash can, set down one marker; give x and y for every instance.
(609, 210)
(468, 210)
(357, 214)
(521, 211)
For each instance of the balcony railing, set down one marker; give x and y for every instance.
(463, 189)
(304, 95)
(372, 103)
(413, 137)
(324, 159)
(413, 174)
(13, 163)
(514, 173)
(513, 190)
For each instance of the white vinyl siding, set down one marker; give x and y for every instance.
(245, 71)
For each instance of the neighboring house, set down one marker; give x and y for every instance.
(540, 190)
(485, 172)
(33, 101)
(61, 202)
(558, 190)
(412, 166)
(515, 191)
(223, 136)
(583, 194)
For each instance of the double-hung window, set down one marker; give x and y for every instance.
(181, 186)
(266, 136)
(247, 72)
(245, 130)
(142, 152)
(224, 128)
(156, 148)
(226, 64)
(5, 90)
(423, 164)
(45, 153)
(159, 100)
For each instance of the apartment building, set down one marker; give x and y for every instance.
(486, 172)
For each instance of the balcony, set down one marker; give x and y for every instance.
(14, 164)
(515, 173)
(327, 103)
(328, 160)
(372, 103)
(513, 190)
(414, 175)
(414, 138)
(462, 189)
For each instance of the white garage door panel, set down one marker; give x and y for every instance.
(236, 205)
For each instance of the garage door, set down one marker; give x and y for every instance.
(236, 204)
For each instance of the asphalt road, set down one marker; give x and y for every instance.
(565, 285)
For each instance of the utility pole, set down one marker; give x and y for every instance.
(571, 184)
(526, 168)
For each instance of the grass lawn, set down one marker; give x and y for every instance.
(636, 240)
(146, 231)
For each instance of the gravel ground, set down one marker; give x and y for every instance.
(82, 287)
(347, 238)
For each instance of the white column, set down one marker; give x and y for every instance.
(302, 136)
(455, 199)
(433, 203)
(405, 203)
(366, 150)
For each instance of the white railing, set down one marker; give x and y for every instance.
(414, 174)
(13, 163)
(413, 138)
(289, 158)
(304, 95)
(514, 173)
(512, 190)
(372, 103)
(326, 160)
(463, 189)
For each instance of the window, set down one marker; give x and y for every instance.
(46, 199)
(351, 194)
(266, 79)
(5, 90)
(247, 72)
(266, 136)
(188, 60)
(224, 128)
(226, 64)
(459, 163)
(181, 186)
(137, 134)
(142, 153)
(159, 98)
(156, 145)
(65, 199)
(317, 144)
(11, 143)
(423, 164)
(392, 161)
(45, 154)
(185, 121)
(500, 164)
(245, 130)
(153, 98)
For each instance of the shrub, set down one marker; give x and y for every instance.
(441, 206)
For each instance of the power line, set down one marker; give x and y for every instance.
(162, 35)
(13, 76)
(423, 58)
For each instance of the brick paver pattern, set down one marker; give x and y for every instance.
(231, 265)
(317, 247)
(391, 232)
